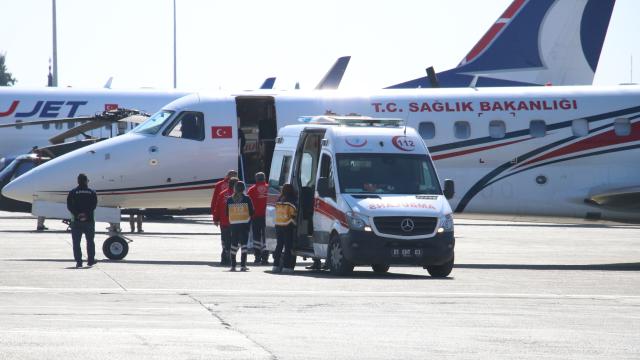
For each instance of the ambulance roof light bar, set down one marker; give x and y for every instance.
(362, 121)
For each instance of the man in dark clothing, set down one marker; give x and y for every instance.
(81, 203)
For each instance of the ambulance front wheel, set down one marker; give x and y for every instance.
(115, 248)
(440, 271)
(338, 264)
(380, 268)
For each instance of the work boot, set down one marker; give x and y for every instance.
(244, 268)
(92, 262)
(79, 264)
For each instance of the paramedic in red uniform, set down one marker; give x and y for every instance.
(258, 195)
(218, 204)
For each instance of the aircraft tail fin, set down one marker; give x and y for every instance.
(534, 42)
(334, 76)
(268, 83)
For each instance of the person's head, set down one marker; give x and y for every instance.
(287, 191)
(231, 174)
(232, 182)
(239, 187)
(260, 177)
(83, 180)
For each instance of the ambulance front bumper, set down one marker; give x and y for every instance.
(367, 248)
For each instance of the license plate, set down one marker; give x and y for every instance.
(406, 253)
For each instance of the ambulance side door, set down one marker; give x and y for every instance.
(326, 206)
(279, 175)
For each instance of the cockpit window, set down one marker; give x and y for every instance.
(188, 125)
(154, 123)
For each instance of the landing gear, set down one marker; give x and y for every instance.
(116, 247)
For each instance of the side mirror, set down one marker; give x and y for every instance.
(449, 189)
(323, 187)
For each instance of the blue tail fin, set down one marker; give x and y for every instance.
(268, 83)
(534, 42)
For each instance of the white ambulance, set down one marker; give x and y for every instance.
(368, 194)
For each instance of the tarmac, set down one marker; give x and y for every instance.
(520, 289)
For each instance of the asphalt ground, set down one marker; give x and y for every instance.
(525, 290)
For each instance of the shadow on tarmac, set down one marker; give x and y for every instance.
(588, 267)
(575, 226)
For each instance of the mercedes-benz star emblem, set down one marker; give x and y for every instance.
(407, 225)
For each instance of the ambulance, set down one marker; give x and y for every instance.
(367, 194)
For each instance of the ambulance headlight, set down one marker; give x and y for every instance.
(358, 221)
(445, 223)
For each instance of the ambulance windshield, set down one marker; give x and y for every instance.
(154, 123)
(386, 174)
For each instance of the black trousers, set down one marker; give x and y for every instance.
(225, 239)
(285, 236)
(88, 229)
(239, 240)
(259, 246)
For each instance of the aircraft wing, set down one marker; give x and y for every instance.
(625, 199)
(333, 77)
(95, 123)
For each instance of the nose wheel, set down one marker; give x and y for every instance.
(115, 247)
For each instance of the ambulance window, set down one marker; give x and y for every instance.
(497, 129)
(326, 171)
(622, 127)
(188, 125)
(462, 129)
(306, 170)
(580, 127)
(427, 130)
(537, 128)
(280, 167)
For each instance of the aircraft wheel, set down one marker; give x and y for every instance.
(380, 268)
(440, 271)
(115, 248)
(338, 265)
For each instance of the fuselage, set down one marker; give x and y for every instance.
(528, 151)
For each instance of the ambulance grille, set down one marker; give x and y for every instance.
(393, 225)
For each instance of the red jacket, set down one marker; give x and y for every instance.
(220, 213)
(258, 194)
(220, 187)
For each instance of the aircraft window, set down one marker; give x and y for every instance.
(18, 124)
(497, 129)
(580, 127)
(154, 123)
(22, 168)
(280, 167)
(427, 130)
(462, 129)
(46, 126)
(58, 126)
(622, 127)
(188, 125)
(71, 125)
(537, 128)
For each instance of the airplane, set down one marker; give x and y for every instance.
(533, 42)
(544, 151)
(30, 117)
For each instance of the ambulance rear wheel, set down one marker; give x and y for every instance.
(440, 271)
(380, 268)
(338, 264)
(115, 248)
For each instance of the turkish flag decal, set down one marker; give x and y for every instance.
(110, 107)
(221, 132)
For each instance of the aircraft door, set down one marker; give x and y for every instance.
(257, 131)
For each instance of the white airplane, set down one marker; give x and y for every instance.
(531, 43)
(32, 117)
(551, 151)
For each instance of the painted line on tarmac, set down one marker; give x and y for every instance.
(345, 293)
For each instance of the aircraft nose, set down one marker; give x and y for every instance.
(20, 189)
